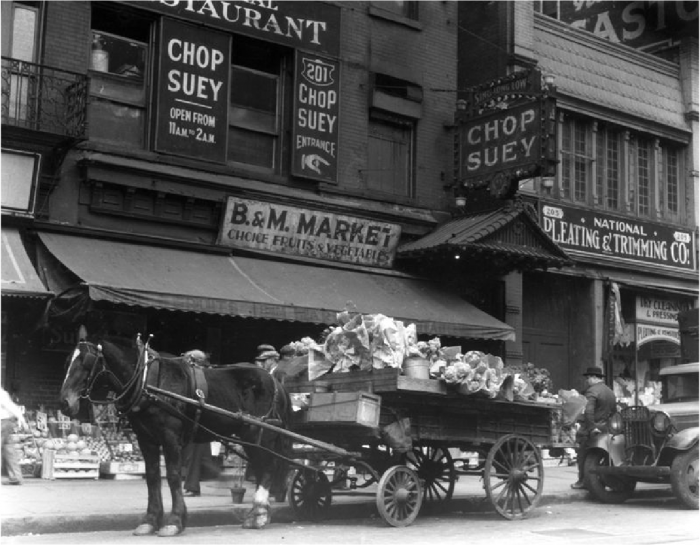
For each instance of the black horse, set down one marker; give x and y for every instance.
(159, 421)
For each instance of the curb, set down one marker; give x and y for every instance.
(281, 513)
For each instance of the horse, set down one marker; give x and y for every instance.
(164, 422)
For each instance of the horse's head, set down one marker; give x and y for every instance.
(83, 365)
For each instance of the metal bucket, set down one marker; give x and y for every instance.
(416, 368)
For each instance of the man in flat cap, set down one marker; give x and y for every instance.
(601, 404)
(267, 359)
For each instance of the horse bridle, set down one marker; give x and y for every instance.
(99, 367)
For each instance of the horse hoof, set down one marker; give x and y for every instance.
(169, 531)
(145, 530)
(256, 521)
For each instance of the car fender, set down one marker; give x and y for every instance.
(684, 439)
(614, 445)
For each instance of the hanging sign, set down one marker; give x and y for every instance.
(316, 109)
(193, 91)
(648, 333)
(506, 133)
(309, 233)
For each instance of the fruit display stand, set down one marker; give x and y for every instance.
(124, 460)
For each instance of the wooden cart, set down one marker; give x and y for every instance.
(508, 434)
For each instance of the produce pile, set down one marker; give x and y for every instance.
(374, 341)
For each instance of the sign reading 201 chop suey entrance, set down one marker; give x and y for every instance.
(310, 233)
(193, 91)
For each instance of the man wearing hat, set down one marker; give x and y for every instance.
(267, 358)
(601, 404)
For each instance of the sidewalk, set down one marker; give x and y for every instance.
(73, 505)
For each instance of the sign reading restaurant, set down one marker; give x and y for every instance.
(316, 109)
(309, 233)
(312, 26)
(587, 232)
(193, 91)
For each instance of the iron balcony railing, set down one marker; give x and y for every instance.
(44, 99)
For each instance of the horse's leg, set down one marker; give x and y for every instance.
(259, 516)
(154, 513)
(177, 520)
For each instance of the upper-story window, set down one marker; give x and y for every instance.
(258, 105)
(390, 155)
(407, 9)
(119, 73)
(618, 170)
(20, 36)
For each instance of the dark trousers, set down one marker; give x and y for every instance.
(193, 458)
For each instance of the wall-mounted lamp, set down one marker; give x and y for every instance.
(460, 201)
(548, 80)
(548, 183)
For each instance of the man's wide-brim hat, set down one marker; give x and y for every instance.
(594, 372)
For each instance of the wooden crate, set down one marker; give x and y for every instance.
(376, 381)
(345, 408)
(64, 466)
(114, 469)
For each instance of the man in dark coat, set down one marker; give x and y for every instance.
(601, 404)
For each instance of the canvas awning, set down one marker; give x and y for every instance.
(175, 279)
(19, 278)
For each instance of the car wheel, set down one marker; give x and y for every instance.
(684, 478)
(606, 488)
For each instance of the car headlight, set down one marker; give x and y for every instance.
(615, 424)
(660, 422)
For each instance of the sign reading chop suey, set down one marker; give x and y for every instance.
(309, 233)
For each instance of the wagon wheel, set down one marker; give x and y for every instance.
(399, 496)
(437, 469)
(310, 495)
(513, 476)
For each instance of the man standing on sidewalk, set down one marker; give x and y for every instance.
(601, 404)
(11, 417)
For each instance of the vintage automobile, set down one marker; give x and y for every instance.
(654, 444)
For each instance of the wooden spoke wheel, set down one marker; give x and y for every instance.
(310, 495)
(399, 496)
(436, 468)
(513, 476)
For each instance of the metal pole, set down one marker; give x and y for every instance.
(636, 360)
(255, 421)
